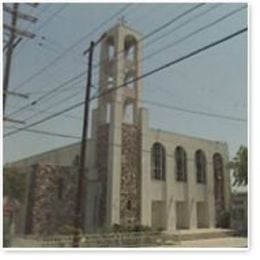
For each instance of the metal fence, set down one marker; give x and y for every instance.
(129, 239)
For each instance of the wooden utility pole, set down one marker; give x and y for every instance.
(82, 174)
(9, 54)
(12, 31)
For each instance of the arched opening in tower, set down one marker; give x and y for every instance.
(128, 113)
(130, 48)
(110, 49)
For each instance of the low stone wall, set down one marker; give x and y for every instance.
(52, 204)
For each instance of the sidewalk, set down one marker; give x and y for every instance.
(226, 242)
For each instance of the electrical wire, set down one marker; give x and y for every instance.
(70, 81)
(55, 60)
(187, 36)
(36, 131)
(169, 45)
(186, 12)
(28, 27)
(184, 38)
(157, 30)
(145, 75)
(48, 111)
(195, 112)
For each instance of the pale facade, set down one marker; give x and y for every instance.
(138, 175)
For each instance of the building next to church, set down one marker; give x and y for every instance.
(137, 175)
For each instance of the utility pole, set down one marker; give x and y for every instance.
(81, 175)
(12, 31)
(9, 54)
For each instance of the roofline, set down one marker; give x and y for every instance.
(48, 151)
(188, 136)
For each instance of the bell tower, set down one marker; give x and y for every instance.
(119, 66)
(116, 127)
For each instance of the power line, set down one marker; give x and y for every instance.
(153, 103)
(97, 65)
(49, 93)
(36, 131)
(48, 66)
(195, 112)
(145, 75)
(66, 99)
(193, 53)
(157, 30)
(202, 28)
(50, 41)
(196, 16)
(48, 111)
(154, 53)
(51, 17)
(60, 56)
(184, 38)
(23, 43)
(12, 27)
(109, 143)
(172, 21)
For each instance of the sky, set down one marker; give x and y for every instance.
(214, 81)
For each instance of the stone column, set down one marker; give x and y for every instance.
(210, 193)
(170, 190)
(226, 173)
(191, 191)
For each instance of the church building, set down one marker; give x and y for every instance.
(137, 175)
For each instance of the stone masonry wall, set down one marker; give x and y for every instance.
(102, 164)
(130, 176)
(53, 206)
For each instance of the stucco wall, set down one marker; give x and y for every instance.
(172, 191)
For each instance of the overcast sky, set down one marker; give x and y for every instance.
(214, 81)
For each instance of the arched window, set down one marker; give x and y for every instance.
(181, 164)
(218, 166)
(110, 82)
(130, 47)
(129, 81)
(110, 48)
(158, 161)
(200, 160)
(128, 113)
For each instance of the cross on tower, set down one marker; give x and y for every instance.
(122, 20)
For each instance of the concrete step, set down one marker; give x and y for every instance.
(196, 234)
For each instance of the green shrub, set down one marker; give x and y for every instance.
(223, 221)
(117, 228)
(137, 228)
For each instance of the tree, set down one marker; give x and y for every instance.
(239, 167)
